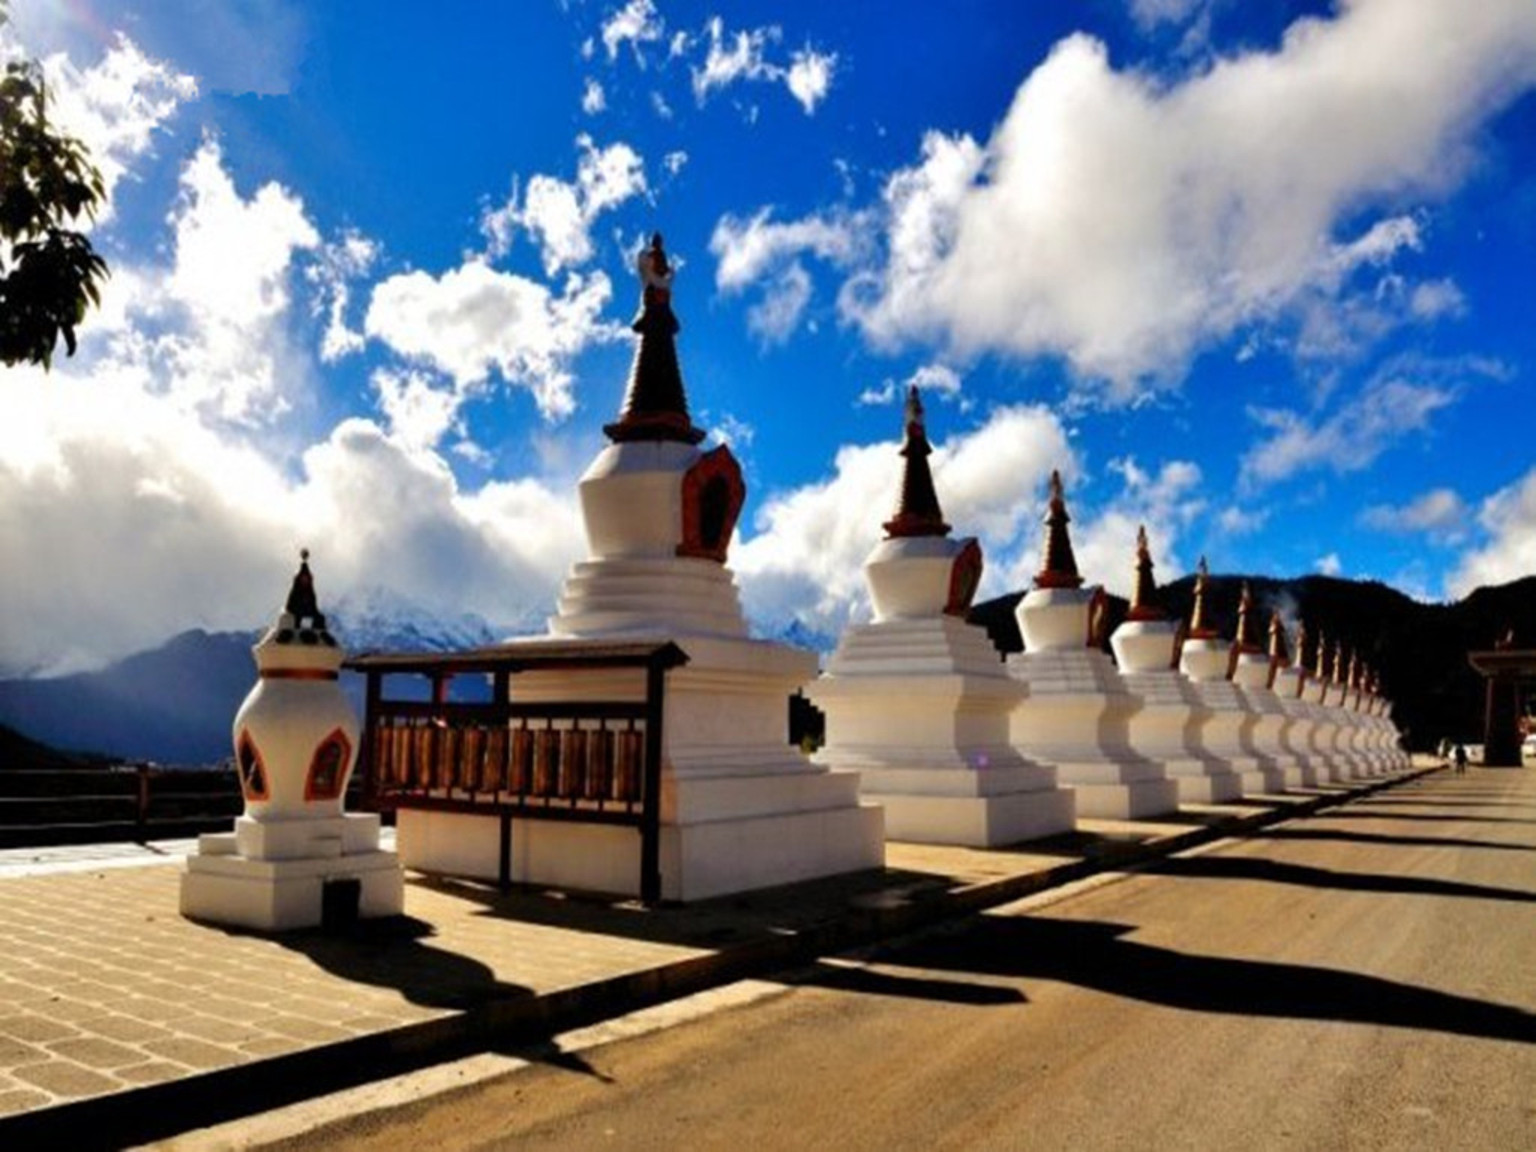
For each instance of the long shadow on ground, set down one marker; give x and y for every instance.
(1095, 955)
(1425, 817)
(1382, 838)
(1249, 868)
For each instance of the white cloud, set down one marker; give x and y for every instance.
(774, 318)
(1509, 519)
(1150, 13)
(1433, 299)
(810, 77)
(934, 379)
(1235, 521)
(340, 262)
(635, 24)
(1439, 514)
(558, 215)
(1384, 412)
(116, 106)
(674, 162)
(1329, 565)
(1165, 501)
(742, 56)
(593, 99)
(1125, 224)
(474, 319)
(805, 558)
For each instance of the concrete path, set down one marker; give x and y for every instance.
(1359, 979)
(121, 1021)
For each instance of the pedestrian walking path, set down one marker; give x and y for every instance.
(121, 1021)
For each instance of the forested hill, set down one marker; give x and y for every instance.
(1419, 649)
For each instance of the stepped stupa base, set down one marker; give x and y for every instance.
(1204, 781)
(272, 876)
(893, 690)
(740, 808)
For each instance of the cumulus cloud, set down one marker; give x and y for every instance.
(557, 214)
(474, 319)
(1508, 517)
(763, 252)
(1165, 500)
(804, 561)
(340, 262)
(1329, 565)
(810, 77)
(115, 106)
(1125, 224)
(593, 99)
(1440, 514)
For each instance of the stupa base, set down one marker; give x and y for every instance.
(1204, 781)
(286, 890)
(698, 861)
(1137, 793)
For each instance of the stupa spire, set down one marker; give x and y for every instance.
(655, 405)
(1279, 649)
(301, 621)
(1320, 657)
(1199, 627)
(1244, 640)
(917, 510)
(1144, 592)
(1058, 568)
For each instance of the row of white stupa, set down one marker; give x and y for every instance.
(930, 735)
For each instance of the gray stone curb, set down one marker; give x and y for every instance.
(162, 1110)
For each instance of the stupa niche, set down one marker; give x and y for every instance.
(1078, 712)
(918, 700)
(740, 807)
(294, 859)
(1167, 727)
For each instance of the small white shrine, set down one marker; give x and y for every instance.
(740, 808)
(1253, 672)
(1227, 731)
(918, 701)
(1078, 711)
(1167, 726)
(294, 859)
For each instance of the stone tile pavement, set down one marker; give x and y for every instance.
(109, 998)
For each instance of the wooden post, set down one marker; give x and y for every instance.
(650, 825)
(366, 761)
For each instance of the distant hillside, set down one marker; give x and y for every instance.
(1419, 649)
(20, 752)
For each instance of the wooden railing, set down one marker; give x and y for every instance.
(589, 761)
(130, 803)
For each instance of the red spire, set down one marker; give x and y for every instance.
(1279, 650)
(1199, 629)
(1244, 640)
(1144, 594)
(655, 405)
(1059, 567)
(917, 512)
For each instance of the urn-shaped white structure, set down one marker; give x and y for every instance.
(295, 857)
(1167, 726)
(1227, 732)
(1078, 712)
(918, 701)
(740, 808)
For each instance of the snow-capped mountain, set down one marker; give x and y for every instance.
(174, 703)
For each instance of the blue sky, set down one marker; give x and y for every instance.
(1258, 274)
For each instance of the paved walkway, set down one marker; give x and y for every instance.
(120, 1020)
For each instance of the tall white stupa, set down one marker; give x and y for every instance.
(294, 859)
(1319, 692)
(1289, 676)
(740, 807)
(1078, 712)
(1167, 727)
(918, 700)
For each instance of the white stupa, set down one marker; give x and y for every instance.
(1322, 694)
(1253, 673)
(1078, 712)
(1167, 727)
(295, 859)
(1290, 677)
(1227, 732)
(918, 700)
(740, 807)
